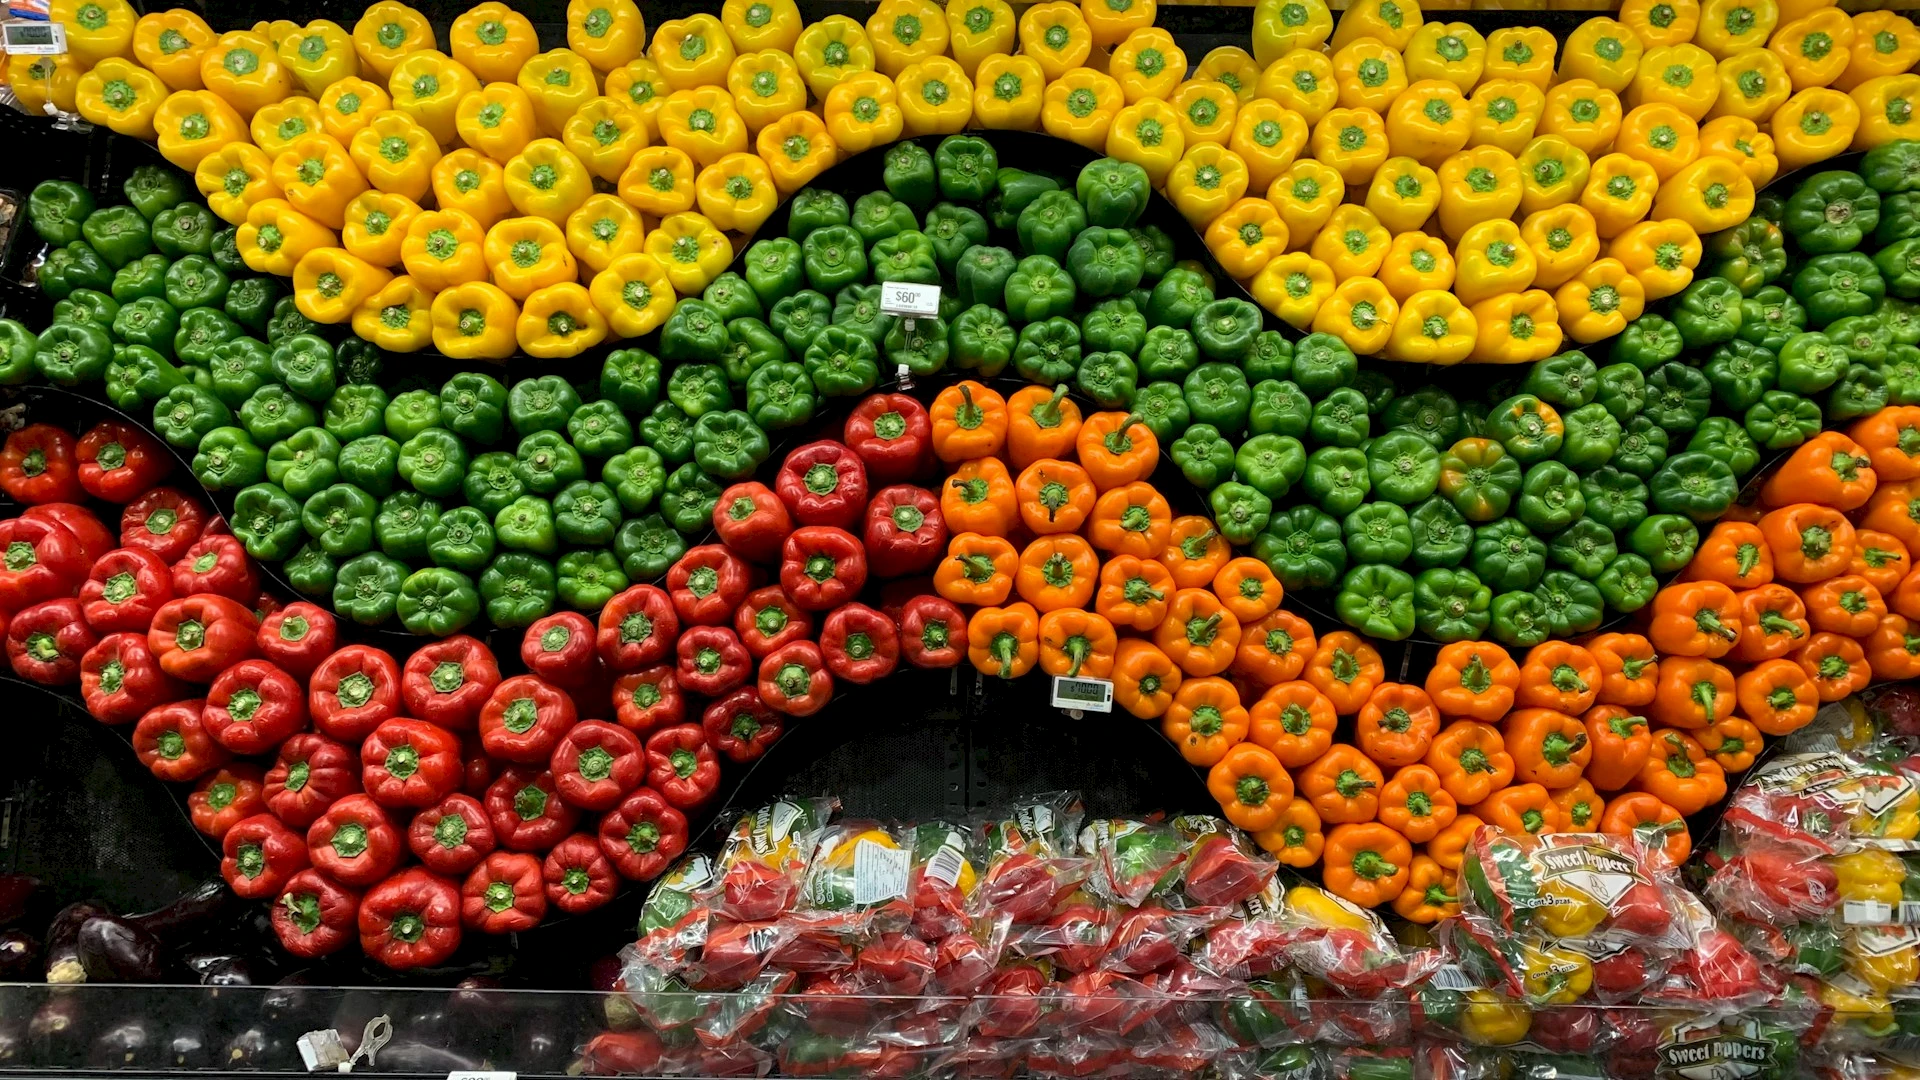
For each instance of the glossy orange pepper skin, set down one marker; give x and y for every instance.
(1144, 678)
(1698, 618)
(1195, 552)
(1886, 437)
(1836, 664)
(1628, 668)
(1432, 893)
(1198, 633)
(1075, 643)
(1414, 804)
(1133, 592)
(1778, 696)
(1558, 675)
(1693, 692)
(1773, 622)
(969, 421)
(1133, 519)
(1295, 839)
(1063, 571)
(1275, 649)
(1735, 554)
(1397, 725)
(1848, 605)
(979, 497)
(1293, 720)
(1810, 542)
(1619, 740)
(1681, 774)
(977, 570)
(1367, 864)
(1247, 588)
(1549, 747)
(1830, 469)
(1205, 721)
(1645, 818)
(1474, 680)
(1055, 497)
(1346, 669)
(1004, 642)
(1881, 559)
(1893, 649)
(1115, 449)
(1471, 760)
(1251, 786)
(1521, 808)
(1450, 844)
(1343, 785)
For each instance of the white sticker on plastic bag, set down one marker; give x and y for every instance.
(1866, 913)
(946, 864)
(879, 872)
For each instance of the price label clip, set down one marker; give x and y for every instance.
(909, 300)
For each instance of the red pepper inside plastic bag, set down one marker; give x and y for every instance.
(765, 856)
(1012, 1009)
(897, 965)
(1220, 872)
(735, 953)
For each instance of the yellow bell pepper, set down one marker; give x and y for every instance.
(1660, 254)
(1728, 26)
(1353, 141)
(559, 321)
(830, 50)
(493, 40)
(1742, 142)
(1232, 67)
(1403, 195)
(233, 178)
(498, 120)
(474, 321)
(936, 97)
(1283, 26)
(796, 148)
(96, 29)
(329, 284)
(1361, 313)
(1207, 111)
(756, 25)
(1753, 83)
(376, 226)
(1293, 287)
(736, 193)
(524, 254)
(1870, 1016)
(1554, 976)
(1416, 262)
(190, 125)
(349, 105)
(1491, 1019)
(633, 294)
(1898, 821)
(1869, 875)
(703, 123)
(1476, 185)
(243, 69)
(1492, 259)
(1429, 122)
(1302, 81)
(607, 32)
(640, 84)
(1684, 76)
(1660, 135)
(386, 33)
(1080, 106)
(283, 123)
(765, 85)
(1711, 194)
(557, 82)
(1056, 35)
(1814, 48)
(1147, 64)
(690, 251)
(905, 32)
(1393, 22)
(546, 180)
(1582, 113)
(318, 55)
(1659, 23)
(1887, 113)
(1564, 242)
(1506, 114)
(1454, 52)
(1599, 301)
(1306, 196)
(121, 95)
(428, 85)
(170, 44)
(1110, 22)
(1246, 237)
(605, 228)
(1884, 959)
(1433, 327)
(397, 318)
(690, 52)
(862, 111)
(1814, 124)
(607, 132)
(1521, 53)
(659, 181)
(1516, 328)
(1884, 43)
(976, 29)
(395, 154)
(471, 181)
(319, 178)
(444, 248)
(1369, 75)
(1619, 192)
(42, 81)
(1148, 134)
(1207, 180)
(276, 31)
(1321, 910)
(1268, 136)
(1604, 51)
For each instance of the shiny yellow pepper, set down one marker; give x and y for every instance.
(1433, 327)
(1684, 76)
(243, 69)
(1429, 122)
(830, 50)
(976, 29)
(703, 123)
(40, 81)
(641, 85)
(936, 97)
(121, 95)
(1619, 192)
(1056, 35)
(283, 123)
(471, 181)
(1283, 26)
(1293, 287)
(1661, 22)
(605, 134)
(1080, 106)
(1753, 83)
(1604, 51)
(1728, 26)
(1393, 22)
(1369, 75)
(386, 33)
(1008, 93)
(1148, 64)
(1814, 124)
(557, 82)
(546, 180)
(276, 30)
(1416, 262)
(1599, 301)
(320, 54)
(444, 248)
(905, 32)
(1403, 194)
(329, 284)
(862, 111)
(1268, 136)
(233, 178)
(1246, 237)
(690, 251)
(1492, 259)
(754, 25)
(524, 254)
(170, 44)
(1885, 960)
(493, 40)
(1454, 52)
(607, 32)
(1361, 313)
(376, 226)
(192, 124)
(765, 85)
(1582, 113)
(602, 230)
(1302, 81)
(1814, 48)
(396, 154)
(474, 321)
(559, 321)
(1110, 22)
(1352, 141)
(1661, 254)
(633, 294)
(1208, 179)
(690, 52)
(1476, 185)
(796, 148)
(1491, 1019)
(1869, 875)
(1523, 53)
(1884, 43)
(1148, 134)
(319, 178)
(1563, 240)
(1887, 111)
(1660, 135)
(1710, 195)
(736, 193)
(1554, 976)
(659, 181)
(1746, 145)
(428, 85)
(349, 105)
(1207, 111)
(498, 121)
(1232, 67)
(1506, 114)
(1516, 328)
(1870, 1015)
(397, 318)
(1306, 196)
(96, 29)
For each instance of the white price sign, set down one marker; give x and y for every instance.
(909, 300)
(28, 38)
(481, 1074)
(1084, 694)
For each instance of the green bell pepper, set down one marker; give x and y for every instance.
(1378, 533)
(1678, 397)
(153, 189)
(1694, 484)
(145, 276)
(954, 230)
(1377, 601)
(250, 302)
(1272, 464)
(1048, 351)
(355, 411)
(695, 331)
(1038, 290)
(75, 266)
(1899, 265)
(1627, 584)
(815, 208)
(857, 307)
(1584, 547)
(518, 589)
(670, 433)
(636, 477)
(1866, 339)
(647, 547)
(1507, 555)
(372, 463)
(270, 414)
(981, 341)
(841, 363)
(1178, 297)
(461, 539)
(1725, 439)
(493, 481)
(1240, 511)
(1280, 407)
(904, 256)
(473, 405)
(1170, 353)
(56, 208)
(780, 396)
(304, 462)
(1429, 412)
(225, 253)
(547, 462)
(1573, 604)
(1270, 358)
(1156, 248)
(1862, 391)
(730, 295)
(194, 281)
(73, 353)
(981, 275)
(1592, 435)
(228, 460)
(1782, 420)
(728, 445)
(1451, 605)
(1322, 363)
(1402, 466)
(1835, 286)
(586, 513)
(1708, 312)
(311, 571)
(1566, 381)
(118, 234)
(1225, 330)
(1116, 326)
(266, 520)
(203, 332)
(1304, 548)
(437, 601)
(1163, 408)
(287, 321)
(526, 524)
(1441, 537)
(1550, 498)
(1643, 446)
(1830, 212)
(1615, 499)
(1479, 478)
(1666, 541)
(1336, 479)
(1202, 456)
(238, 368)
(1892, 167)
(1899, 218)
(1519, 619)
(876, 216)
(366, 590)
(688, 499)
(599, 430)
(1771, 317)
(1218, 394)
(544, 403)
(1751, 254)
(89, 306)
(630, 378)
(186, 413)
(1739, 373)
(1902, 372)
(1647, 342)
(907, 170)
(775, 269)
(17, 345)
(186, 229)
(1114, 192)
(922, 350)
(1108, 379)
(434, 462)
(1104, 262)
(340, 520)
(588, 579)
(1528, 428)
(967, 167)
(1810, 362)
(305, 364)
(800, 318)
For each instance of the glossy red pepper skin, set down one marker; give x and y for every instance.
(822, 567)
(636, 629)
(707, 584)
(526, 810)
(892, 435)
(124, 590)
(642, 835)
(353, 691)
(823, 483)
(794, 679)
(354, 842)
(629, 1053)
(198, 637)
(310, 773)
(120, 681)
(480, 769)
(681, 766)
(46, 642)
(447, 681)
(39, 560)
(504, 894)
(298, 637)
(117, 461)
(165, 521)
(315, 916)
(710, 660)
(171, 744)
(451, 836)
(225, 797)
(578, 876)
(38, 465)
(860, 644)
(649, 699)
(524, 719)
(411, 920)
(752, 521)
(596, 764)
(253, 707)
(559, 649)
(740, 726)
(259, 855)
(95, 539)
(905, 533)
(933, 632)
(768, 619)
(410, 763)
(218, 565)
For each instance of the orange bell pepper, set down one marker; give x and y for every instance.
(1836, 664)
(1558, 675)
(1660, 255)
(1471, 760)
(1366, 864)
(1198, 633)
(1294, 721)
(1521, 808)
(1062, 571)
(969, 421)
(1693, 692)
(1275, 649)
(1346, 669)
(1811, 542)
(1205, 720)
(1618, 741)
(1055, 497)
(1891, 438)
(1343, 785)
(1475, 680)
(1734, 554)
(1075, 642)
(1247, 588)
(1144, 679)
(1195, 552)
(1905, 598)
(1652, 823)
(1295, 839)
(1133, 519)
(1549, 747)
(1830, 469)
(978, 570)
(1251, 786)
(1893, 650)
(1681, 774)
(1773, 622)
(1778, 696)
(1041, 423)
(1732, 743)
(1847, 605)
(979, 497)
(1881, 559)
(1628, 668)
(1449, 844)
(1004, 641)
(1599, 301)
(1697, 618)
(1397, 724)
(1115, 448)
(1414, 804)
(1895, 509)
(1432, 893)
(1133, 592)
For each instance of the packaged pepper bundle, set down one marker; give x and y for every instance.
(1347, 946)
(1252, 942)
(1030, 857)
(856, 885)
(1132, 860)
(673, 921)
(765, 857)
(1221, 869)
(941, 878)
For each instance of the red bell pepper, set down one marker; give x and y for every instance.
(822, 567)
(823, 483)
(505, 894)
(526, 810)
(447, 681)
(794, 679)
(933, 632)
(120, 681)
(768, 620)
(707, 584)
(711, 660)
(355, 842)
(265, 604)
(253, 707)
(46, 642)
(310, 773)
(39, 560)
(637, 629)
(905, 532)
(741, 726)
(220, 800)
(578, 876)
(642, 835)
(410, 763)
(480, 769)
(627, 1053)
(1622, 973)
(315, 916)
(198, 637)
(94, 538)
(1641, 910)
(218, 565)
(38, 465)
(411, 920)
(451, 836)
(171, 744)
(681, 766)
(165, 521)
(860, 644)
(1721, 969)
(125, 589)
(596, 764)
(353, 691)
(892, 435)
(298, 637)
(559, 649)
(752, 521)
(118, 462)
(524, 718)
(259, 856)
(649, 699)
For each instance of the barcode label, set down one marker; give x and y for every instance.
(945, 865)
(1866, 913)
(1452, 977)
(879, 872)
(1910, 912)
